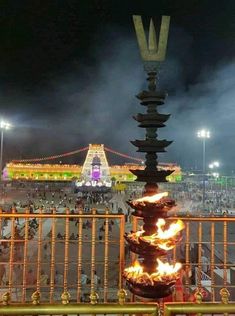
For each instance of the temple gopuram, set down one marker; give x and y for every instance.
(95, 169)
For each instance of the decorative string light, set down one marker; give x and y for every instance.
(52, 157)
(73, 153)
(122, 155)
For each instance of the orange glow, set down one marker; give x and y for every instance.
(151, 199)
(166, 269)
(139, 233)
(164, 273)
(165, 239)
(173, 229)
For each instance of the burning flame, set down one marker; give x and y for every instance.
(172, 231)
(164, 239)
(166, 268)
(164, 273)
(139, 233)
(152, 198)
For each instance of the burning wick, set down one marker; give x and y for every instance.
(151, 199)
(164, 273)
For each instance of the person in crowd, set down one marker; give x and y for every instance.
(96, 280)
(101, 232)
(205, 262)
(44, 279)
(46, 252)
(59, 236)
(59, 278)
(84, 278)
(72, 236)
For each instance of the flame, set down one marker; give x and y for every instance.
(139, 233)
(167, 269)
(152, 198)
(164, 239)
(164, 273)
(172, 231)
(136, 269)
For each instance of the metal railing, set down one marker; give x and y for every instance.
(207, 249)
(63, 252)
(79, 309)
(55, 253)
(198, 309)
(121, 308)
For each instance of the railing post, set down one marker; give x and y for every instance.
(93, 295)
(6, 297)
(198, 298)
(35, 298)
(224, 293)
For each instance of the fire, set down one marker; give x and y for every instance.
(164, 239)
(139, 233)
(172, 231)
(165, 269)
(164, 273)
(152, 198)
(135, 270)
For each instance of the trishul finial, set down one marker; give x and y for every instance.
(152, 51)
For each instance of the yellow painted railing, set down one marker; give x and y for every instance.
(200, 309)
(36, 308)
(65, 252)
(75, 309)
(207, 249)
(168, 309)
(46, 253)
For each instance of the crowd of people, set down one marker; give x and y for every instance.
(53, 200)
(189, 197)
(45, 200)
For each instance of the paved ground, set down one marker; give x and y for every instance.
(32, 253)
(19, 195)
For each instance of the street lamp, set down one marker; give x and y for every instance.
(203, 134)
(3, 126)
(214, 164)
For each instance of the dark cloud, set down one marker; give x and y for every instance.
(63, 94)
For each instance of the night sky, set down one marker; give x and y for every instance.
(70, 70)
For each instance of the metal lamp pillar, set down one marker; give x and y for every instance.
(153, 53)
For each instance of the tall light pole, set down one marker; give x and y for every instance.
(203, 134)
(214, 168)
(3, 126)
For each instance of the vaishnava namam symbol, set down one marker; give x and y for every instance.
(152, 51)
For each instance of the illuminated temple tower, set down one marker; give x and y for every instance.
(96, 167)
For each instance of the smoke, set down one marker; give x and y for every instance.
(94, 103)
(206, 104)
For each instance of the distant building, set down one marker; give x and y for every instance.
(94, 171)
